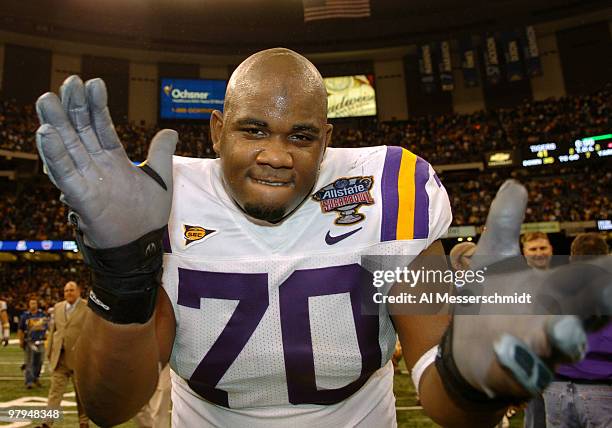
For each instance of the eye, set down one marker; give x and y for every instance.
(255, 132)
(301, 137)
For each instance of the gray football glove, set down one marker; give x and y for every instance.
(514, 354)
(116, 201)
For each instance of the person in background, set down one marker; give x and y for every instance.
(69, 316)
(538, 254)
(581, 395)
(537, 249)
(461, 254)
(33, 326)
(4, 322)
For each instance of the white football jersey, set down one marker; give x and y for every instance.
(269, 327)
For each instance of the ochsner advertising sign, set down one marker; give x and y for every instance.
(190, 98)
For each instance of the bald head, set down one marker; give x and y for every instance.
(282, 70)
(72, 292)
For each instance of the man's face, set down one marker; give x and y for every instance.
(538, 253)
(271, 143)
(71, 292)
(33, 305)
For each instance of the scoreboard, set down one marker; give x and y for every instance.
(587, 149)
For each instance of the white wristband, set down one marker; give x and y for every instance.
(425, 361)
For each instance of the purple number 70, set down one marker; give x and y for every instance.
(251, 291)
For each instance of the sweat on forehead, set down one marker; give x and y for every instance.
(282, 69)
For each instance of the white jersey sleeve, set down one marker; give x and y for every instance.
(440, 214)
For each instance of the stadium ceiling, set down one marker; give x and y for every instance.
(222, 27)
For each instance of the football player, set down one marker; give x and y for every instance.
(258, 312)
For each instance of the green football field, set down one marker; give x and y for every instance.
(14, 394)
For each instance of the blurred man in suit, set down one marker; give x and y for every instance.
(69, 316)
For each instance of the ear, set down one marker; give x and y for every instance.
(216, 129)
(328, 134)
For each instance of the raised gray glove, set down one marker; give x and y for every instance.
(117, 202)
(514, 354)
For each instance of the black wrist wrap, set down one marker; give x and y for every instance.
(460, 391)
(125, 279)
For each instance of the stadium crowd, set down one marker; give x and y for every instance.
(33, 213)
(442, 139)
(560, 195)
(17, 126)
(563, 119)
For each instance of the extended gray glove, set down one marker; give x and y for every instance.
(513, 354)
(117, 202)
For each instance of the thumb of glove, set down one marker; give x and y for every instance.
(161, 150)
(500, 239)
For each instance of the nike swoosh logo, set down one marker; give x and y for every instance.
(331, 240)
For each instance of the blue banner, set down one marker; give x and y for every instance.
(38, 245)
(190, 98)
(512, 56)
(426, 68)
(532, 53)
(491, 60)
(445, 66)
(468, 62)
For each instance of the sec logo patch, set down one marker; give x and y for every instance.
(195, 233)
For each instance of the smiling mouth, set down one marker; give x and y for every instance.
(273, 183)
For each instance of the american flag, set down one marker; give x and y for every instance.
(326, 9)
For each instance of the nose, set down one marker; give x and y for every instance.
(275, 154)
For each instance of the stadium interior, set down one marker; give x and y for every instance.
(541, 114)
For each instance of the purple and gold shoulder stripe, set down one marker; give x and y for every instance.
(405, 208)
